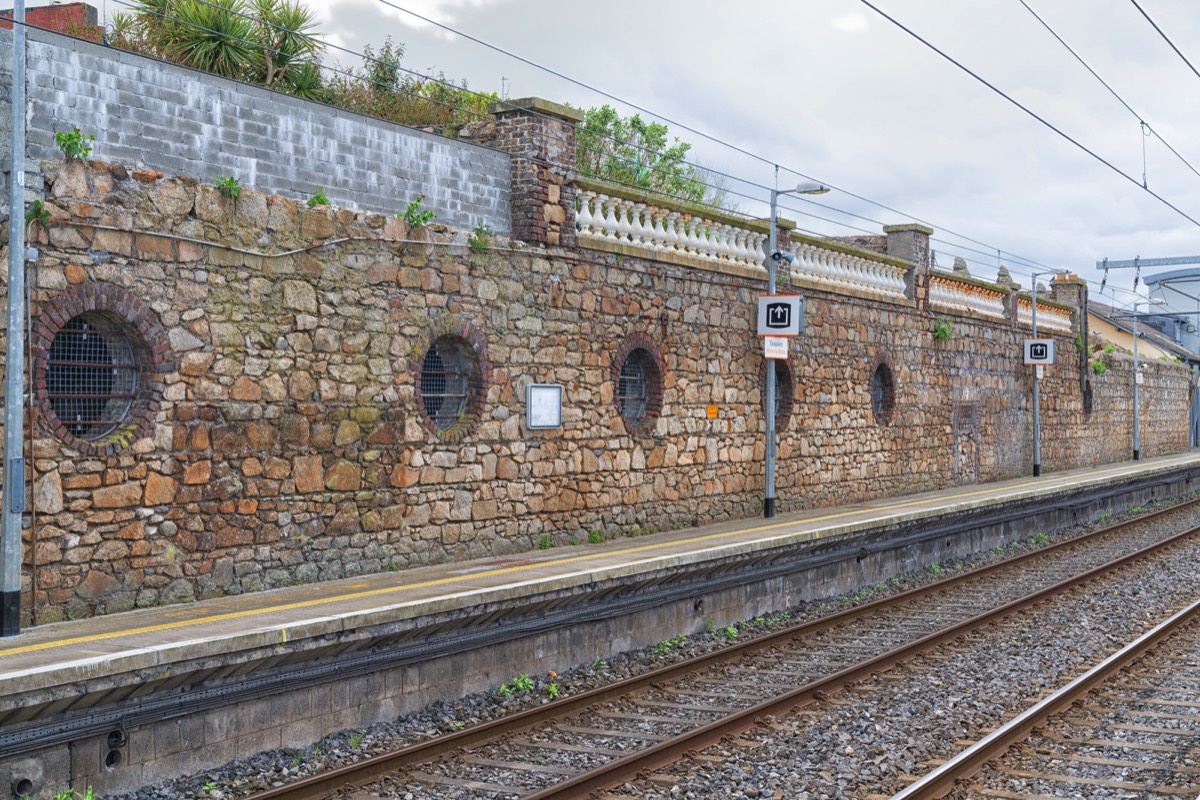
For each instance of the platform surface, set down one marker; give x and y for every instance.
(62, 653)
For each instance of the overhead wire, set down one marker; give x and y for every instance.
(368, 59)
(689, 129)
(1166, 38)
(1029, 111)
(1141, 120)
(694, 166)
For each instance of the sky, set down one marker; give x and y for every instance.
(833, 91)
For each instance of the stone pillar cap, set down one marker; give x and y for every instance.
(537, 105)
(907, 227)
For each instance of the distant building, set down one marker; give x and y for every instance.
(73, 19)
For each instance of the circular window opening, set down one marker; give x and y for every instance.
(639, 387)
(450, 382)
(883, 394)
(785, 391)
(93, 376)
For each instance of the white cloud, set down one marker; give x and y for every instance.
(850, 23)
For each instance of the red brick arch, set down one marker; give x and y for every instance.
(655, 380)
(140, 326)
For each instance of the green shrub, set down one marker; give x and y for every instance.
(416, 216)
(943, 330)
(318, 199)
(74, 144)
(228, 186)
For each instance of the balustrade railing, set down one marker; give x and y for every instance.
(1050, 317)
(948, 294)
(838, 271)
(604, 217)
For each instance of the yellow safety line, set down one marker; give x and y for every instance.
(30, 648)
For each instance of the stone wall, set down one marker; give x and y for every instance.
(283, 438)
(153, 115)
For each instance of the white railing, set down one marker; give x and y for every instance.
(603, 217)
(951, 295)
(1048, 316)
(845, 272)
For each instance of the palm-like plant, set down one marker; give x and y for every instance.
(212, 35)
(262, 41)
(283, 32)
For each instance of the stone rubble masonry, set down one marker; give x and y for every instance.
(151, 114)
(289, 443)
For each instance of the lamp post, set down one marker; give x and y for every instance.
(773, 259)
(1037, 422)
(1137, 422)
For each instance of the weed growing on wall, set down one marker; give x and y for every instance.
(37, 213)
(75, 145)
(481, 239)
(318, 199)
(228, 186)
(943, 331)
(416, 216)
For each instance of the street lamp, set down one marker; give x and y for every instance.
(774, 256)
(1136, 416)
(1037, 422)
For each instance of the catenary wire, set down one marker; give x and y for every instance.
(1029, 111)
(700, 133)
(698, 169)
(695, 166)
(1110, 89)
(1166, 38)
(366, 58)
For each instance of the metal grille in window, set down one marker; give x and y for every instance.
(91, 376)
(445, 382)
(633, 391)
(883, 393)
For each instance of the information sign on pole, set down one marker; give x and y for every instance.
(775, 347)
(1039, 351)
(1139, 377)
(780, 315)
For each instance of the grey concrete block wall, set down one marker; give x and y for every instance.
(149, 114)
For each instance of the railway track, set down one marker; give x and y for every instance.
(1125, 728)
(602, 738)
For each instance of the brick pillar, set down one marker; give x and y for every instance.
(540, 136)
(911, 243)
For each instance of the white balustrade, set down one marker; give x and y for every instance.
(846, 272)
(952, 295)
(603, 217)
(1048, 316)
(608, 218)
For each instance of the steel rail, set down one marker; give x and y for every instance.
(323, 785)
(657, 756)
(944, 779)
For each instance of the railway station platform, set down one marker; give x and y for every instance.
(115, 700)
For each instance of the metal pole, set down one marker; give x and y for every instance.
(1037, 423)
(1136, 419)
(14, 383)
(769, 480)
